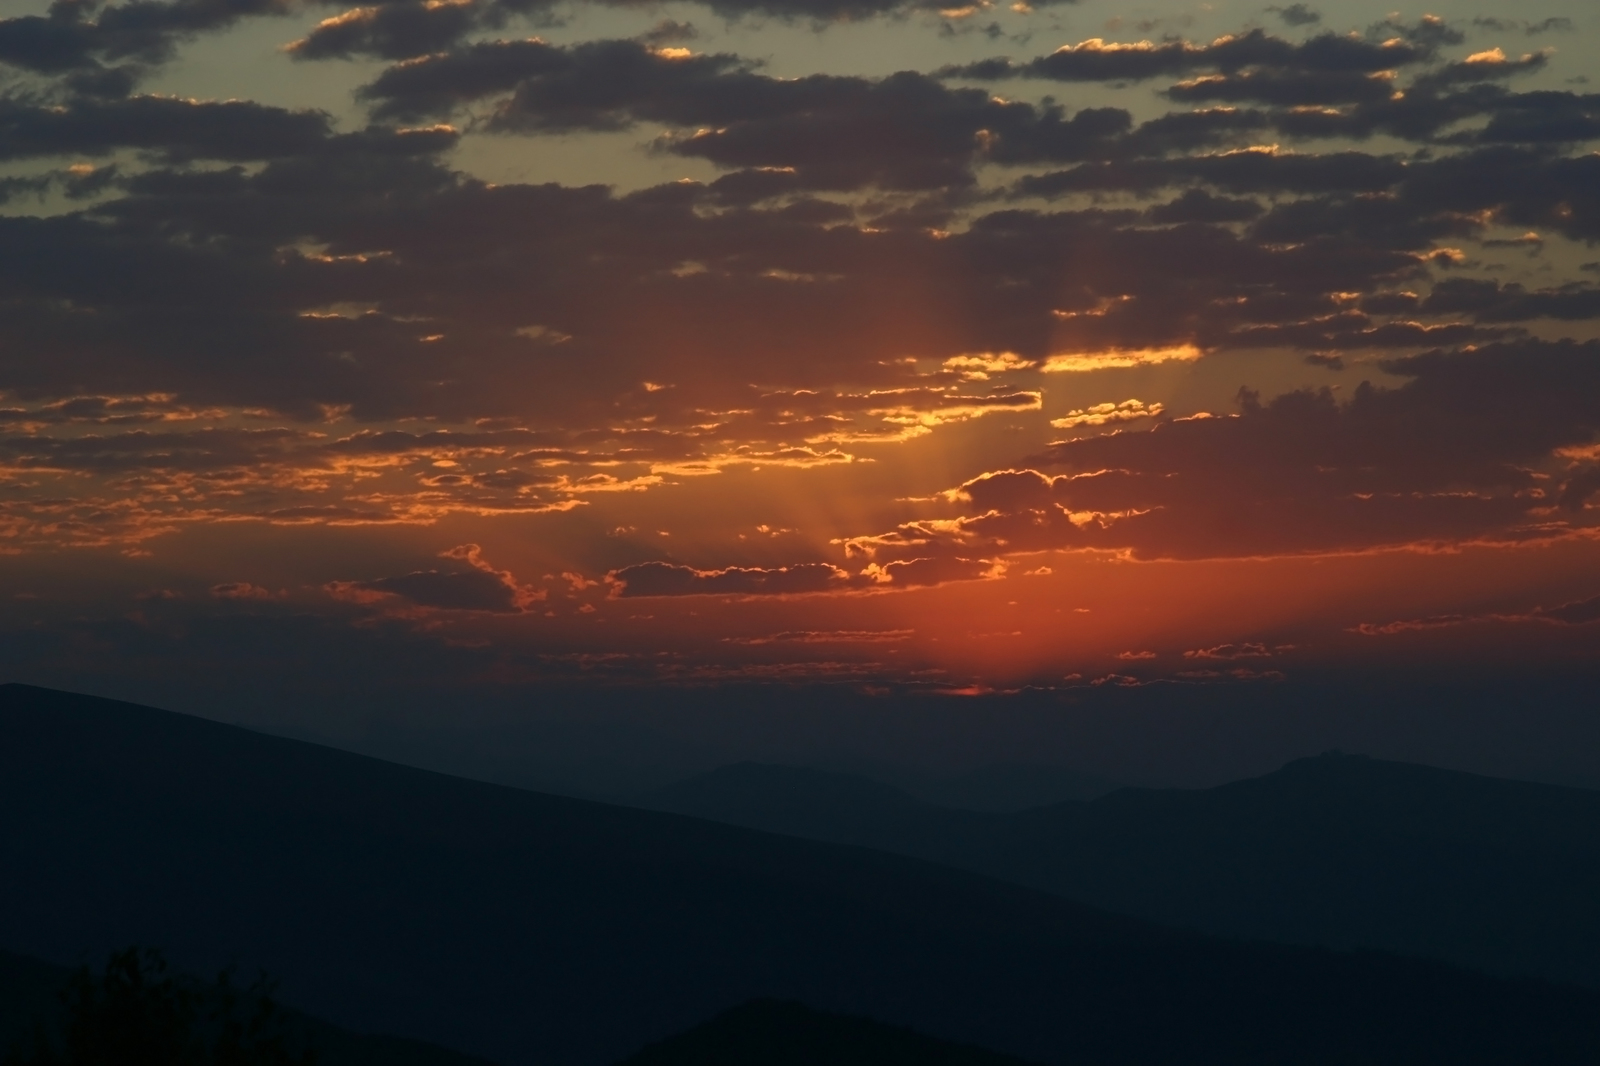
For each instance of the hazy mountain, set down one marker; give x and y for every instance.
(30, 994)
(1007, 787)
(534, 929)
(769, 1032)
(1338, 850)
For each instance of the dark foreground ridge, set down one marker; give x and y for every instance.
(536, 929)
(30, 997)
(1339, 850)
(770, 1032)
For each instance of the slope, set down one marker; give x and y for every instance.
(30, 995)
(776, 1033)
(1338, 850)
(534, 929)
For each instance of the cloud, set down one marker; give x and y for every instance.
(1489, 301)
(1118, 358)
(1106, 414)
(398, 29)
(1285, 89)
(240, 590)
(1298, 15)
(834, 636)
(1099, 60)
(1579, 613)
(358, 289)
(481, 588)
(458, 591)
(1453, 454)
(1553, 24)
(179, 129)
(670, 579)
(906, 131)
(67, 38)
(1197, 205)
(1231, 651)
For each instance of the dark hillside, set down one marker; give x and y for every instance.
(1338, 850)
(770, 1032)
(537, 929)
(30, 996)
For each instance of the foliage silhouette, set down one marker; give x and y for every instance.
(136, 1013)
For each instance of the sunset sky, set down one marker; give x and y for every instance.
(961, 350)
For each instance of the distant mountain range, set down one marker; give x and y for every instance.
(533, 929)
(1338, 850)
(997, 787)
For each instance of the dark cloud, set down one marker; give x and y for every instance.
(1554, 24)
(1490, 301)
(1231, 651)
(69, 37)
(670, 31)
(1572, 614)
(827, 11)
(481, 588)
(179, 129)
(1285, 88)
(1579, 613)
(669, 579)
(1236, 172)
(320, 274)
(1197, 205)
(1381, 221)
(1581, 484)
(903, 131)
(1332, 86)
(1525, 187)
(1487, 66)
(396, 30)
(437, 85)
(1098, 60)
(471, 590)
(1298, 15)
(1544, 118)
(908, 131)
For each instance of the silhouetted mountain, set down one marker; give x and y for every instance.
(799, 801)
(535, 929)
(1008, 787)
(770, 1032)
(30, 996)
(1339, 850)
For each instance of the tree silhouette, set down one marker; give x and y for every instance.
(136, 1013)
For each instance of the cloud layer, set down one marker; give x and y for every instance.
(1261, 294)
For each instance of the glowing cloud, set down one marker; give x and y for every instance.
(1104, 414)
(1119, 358)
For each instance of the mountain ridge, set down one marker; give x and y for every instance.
(546, 931)
(1334, 850)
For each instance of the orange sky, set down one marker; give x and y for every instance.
(797, 341)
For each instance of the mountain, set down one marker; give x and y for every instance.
(539, 930)
(771, 1032)
(30, 993)
(1008, 787)
(1339, 850)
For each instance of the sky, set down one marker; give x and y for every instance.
(527, 345)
